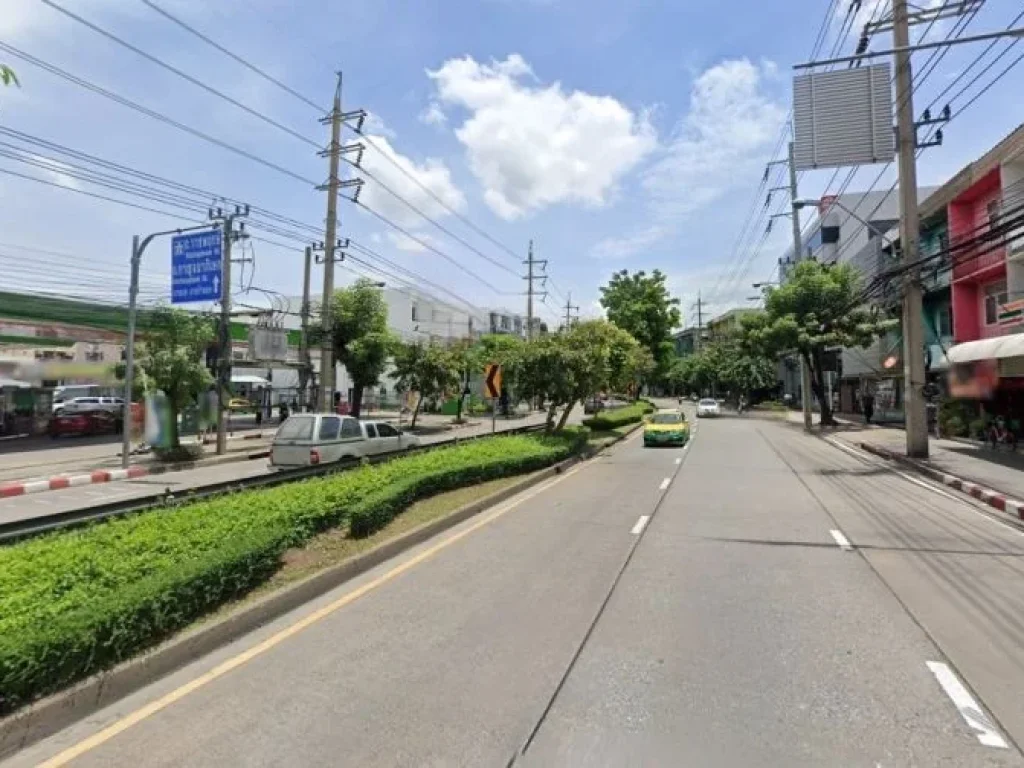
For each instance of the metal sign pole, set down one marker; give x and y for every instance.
(494, 414)
(129, 357)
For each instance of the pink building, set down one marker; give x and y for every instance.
(988, 271)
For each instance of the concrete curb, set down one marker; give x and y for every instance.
(12, 488)
(1014, 508)
(50, 715)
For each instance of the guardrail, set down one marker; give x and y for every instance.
(21, 529)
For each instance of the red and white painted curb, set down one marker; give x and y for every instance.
(1000, 501)
(70, 481)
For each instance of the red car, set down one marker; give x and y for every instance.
(85, 423)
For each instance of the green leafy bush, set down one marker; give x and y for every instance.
(83, 600)
(619, 417)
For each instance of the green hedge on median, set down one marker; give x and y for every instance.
(619, 417)
(77, 602)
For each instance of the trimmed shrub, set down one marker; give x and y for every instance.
(619, 417)
(80, 601)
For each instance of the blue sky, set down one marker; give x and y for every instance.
(615, 135)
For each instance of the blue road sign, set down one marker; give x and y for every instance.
(196, 267)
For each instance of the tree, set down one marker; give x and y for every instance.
(574, 364)
(7, 76)
(641, 305)
(172, 357)
(429, 370)
(816, 309)
(360, 336)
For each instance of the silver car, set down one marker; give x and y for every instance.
(708, 407)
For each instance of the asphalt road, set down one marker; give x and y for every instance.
(759, 599)
(51, 502)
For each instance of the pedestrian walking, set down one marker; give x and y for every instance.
(869, 407)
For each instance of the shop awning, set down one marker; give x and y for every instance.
(14, 383)
(987, 349)
(248, 378)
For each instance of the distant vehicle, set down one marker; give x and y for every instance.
(666, 428)
(305, 439)
(239, 404)
(89, 403)
(708, 407)
(93, 422)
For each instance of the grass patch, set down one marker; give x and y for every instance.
(80, 601)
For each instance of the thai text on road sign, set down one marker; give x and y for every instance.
(196, 266)
(492, 380)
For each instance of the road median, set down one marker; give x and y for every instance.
(102, 632)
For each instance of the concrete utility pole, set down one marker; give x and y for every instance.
(305, 366)
(569, 307)
(224, 340)
(330, 238)
(531, 276)
(913, 321)
(798, 247)
(332, 244)
(700, 322)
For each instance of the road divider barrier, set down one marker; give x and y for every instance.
(79, 601)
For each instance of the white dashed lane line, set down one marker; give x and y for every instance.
(640, 525)
(665, 483)
(841, 540)
(970, 711)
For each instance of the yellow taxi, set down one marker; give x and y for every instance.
(666, 428)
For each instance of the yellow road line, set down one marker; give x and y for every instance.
(136, 717)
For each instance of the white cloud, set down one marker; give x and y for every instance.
(531, 145)
(717, 146)
(375, 126)
(431, 173)
(433, 114)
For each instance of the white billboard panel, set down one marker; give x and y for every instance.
(844, 117)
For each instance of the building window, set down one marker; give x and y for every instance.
(415, 313)
(994, 208)
(944, 321)
(995, 298)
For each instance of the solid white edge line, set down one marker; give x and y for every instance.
(841, 540)
(640, 525)
(973, 715)
(665, 483)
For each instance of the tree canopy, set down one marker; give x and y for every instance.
(428, 369)
(641, 305)
(7, 76)
(172, 359)
(815, 309)
(360, 336)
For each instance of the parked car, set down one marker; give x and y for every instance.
(92, 422)
(384, 438)
(708, 407)
(89, 403)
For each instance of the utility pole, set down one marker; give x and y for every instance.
(531, 276)
(224, 345)
(569, 307)
(700, 322)
(305, 364)
(333, 186)
(914, 409)
(798, 246)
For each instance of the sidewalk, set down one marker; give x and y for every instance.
(994, 476)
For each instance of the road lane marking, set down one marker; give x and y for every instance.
(841, 540)
(679, 459)
(665, 483)
(134, 718)
(640, 525)
(975, 717)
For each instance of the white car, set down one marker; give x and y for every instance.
(88, 403)
(305, 439)
(708, 407)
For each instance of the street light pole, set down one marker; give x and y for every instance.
(138, 248)
(805, 371)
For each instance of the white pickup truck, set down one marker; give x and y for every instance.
(305, 439)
